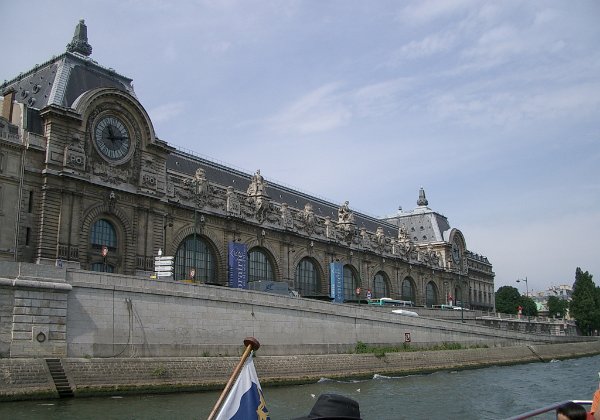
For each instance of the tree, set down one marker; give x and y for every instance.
(585, 303)
(528, 305)
(508, 300)
(557, 307)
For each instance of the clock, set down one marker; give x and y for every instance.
(112, 138)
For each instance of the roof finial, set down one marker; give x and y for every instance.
(422, 201)
(79, 43)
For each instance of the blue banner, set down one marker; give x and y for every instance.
(336, 272)
(238, 265)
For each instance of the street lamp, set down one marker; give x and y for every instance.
(526, 285)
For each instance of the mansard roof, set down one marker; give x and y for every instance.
(61, 80)
(422, 224)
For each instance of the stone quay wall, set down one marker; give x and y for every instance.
(122, 316)
(50, 312)
(29, 378)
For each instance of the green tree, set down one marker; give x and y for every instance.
(557, 307)
(585, 303)
(528, 305)
(507, 300)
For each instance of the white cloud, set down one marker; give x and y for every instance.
(166, 112)
(319, 110)
(425, 47)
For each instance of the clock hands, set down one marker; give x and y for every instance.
(112, 138)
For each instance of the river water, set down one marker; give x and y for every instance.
(489, 393)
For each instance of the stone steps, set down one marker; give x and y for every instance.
(61, 382)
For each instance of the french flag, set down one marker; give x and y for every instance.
(245, 400)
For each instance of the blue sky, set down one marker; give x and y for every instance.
(492, 107)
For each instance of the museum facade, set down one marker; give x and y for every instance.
(86, 183)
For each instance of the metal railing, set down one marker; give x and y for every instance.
(547, 409)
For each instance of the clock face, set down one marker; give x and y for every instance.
(112, 138)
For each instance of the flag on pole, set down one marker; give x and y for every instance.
(245, 401)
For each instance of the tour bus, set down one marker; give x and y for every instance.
(385, 301)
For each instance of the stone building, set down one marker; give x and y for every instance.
(86, 183)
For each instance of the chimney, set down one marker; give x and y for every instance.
(7, 104)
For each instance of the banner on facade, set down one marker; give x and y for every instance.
(336, 271)
(238, 265)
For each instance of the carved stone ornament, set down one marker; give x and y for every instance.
(286, 217)
(364, 238)
(170, 186)
(308, 218)
(429, 256)
(198, 187)
(345, 215)
(75, 154)
(329, 228)
(108, 173)
(258, 185)
(379, 240)
(403, 233)
(258, 198)
(234, 207)
(112, 201)
(261, 207)
(148, 180)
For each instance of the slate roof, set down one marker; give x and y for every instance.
(61, 80)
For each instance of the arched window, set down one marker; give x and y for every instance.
(103, 233)
(195, 253)
(350, 282)
(408, 291)
(431, 295)
(307, 281)
(259, 266)
(380, 286)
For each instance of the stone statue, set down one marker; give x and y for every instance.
(403, 232)
(344, 214)
(200, 183)
(257, 185)
(233, 204)
(309, 218)
(380, 237)
(286, 217)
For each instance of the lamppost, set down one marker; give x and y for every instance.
(526, 285)
(527, 291)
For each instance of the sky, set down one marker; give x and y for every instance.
(492, 107)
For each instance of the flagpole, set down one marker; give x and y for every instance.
(251, 343)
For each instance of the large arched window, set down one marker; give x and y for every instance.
(431, 295)
(408, 290)
(380, 286)
(195, 253)
(259, 266)
(103, 233)
(350, 282)
(307, 281)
